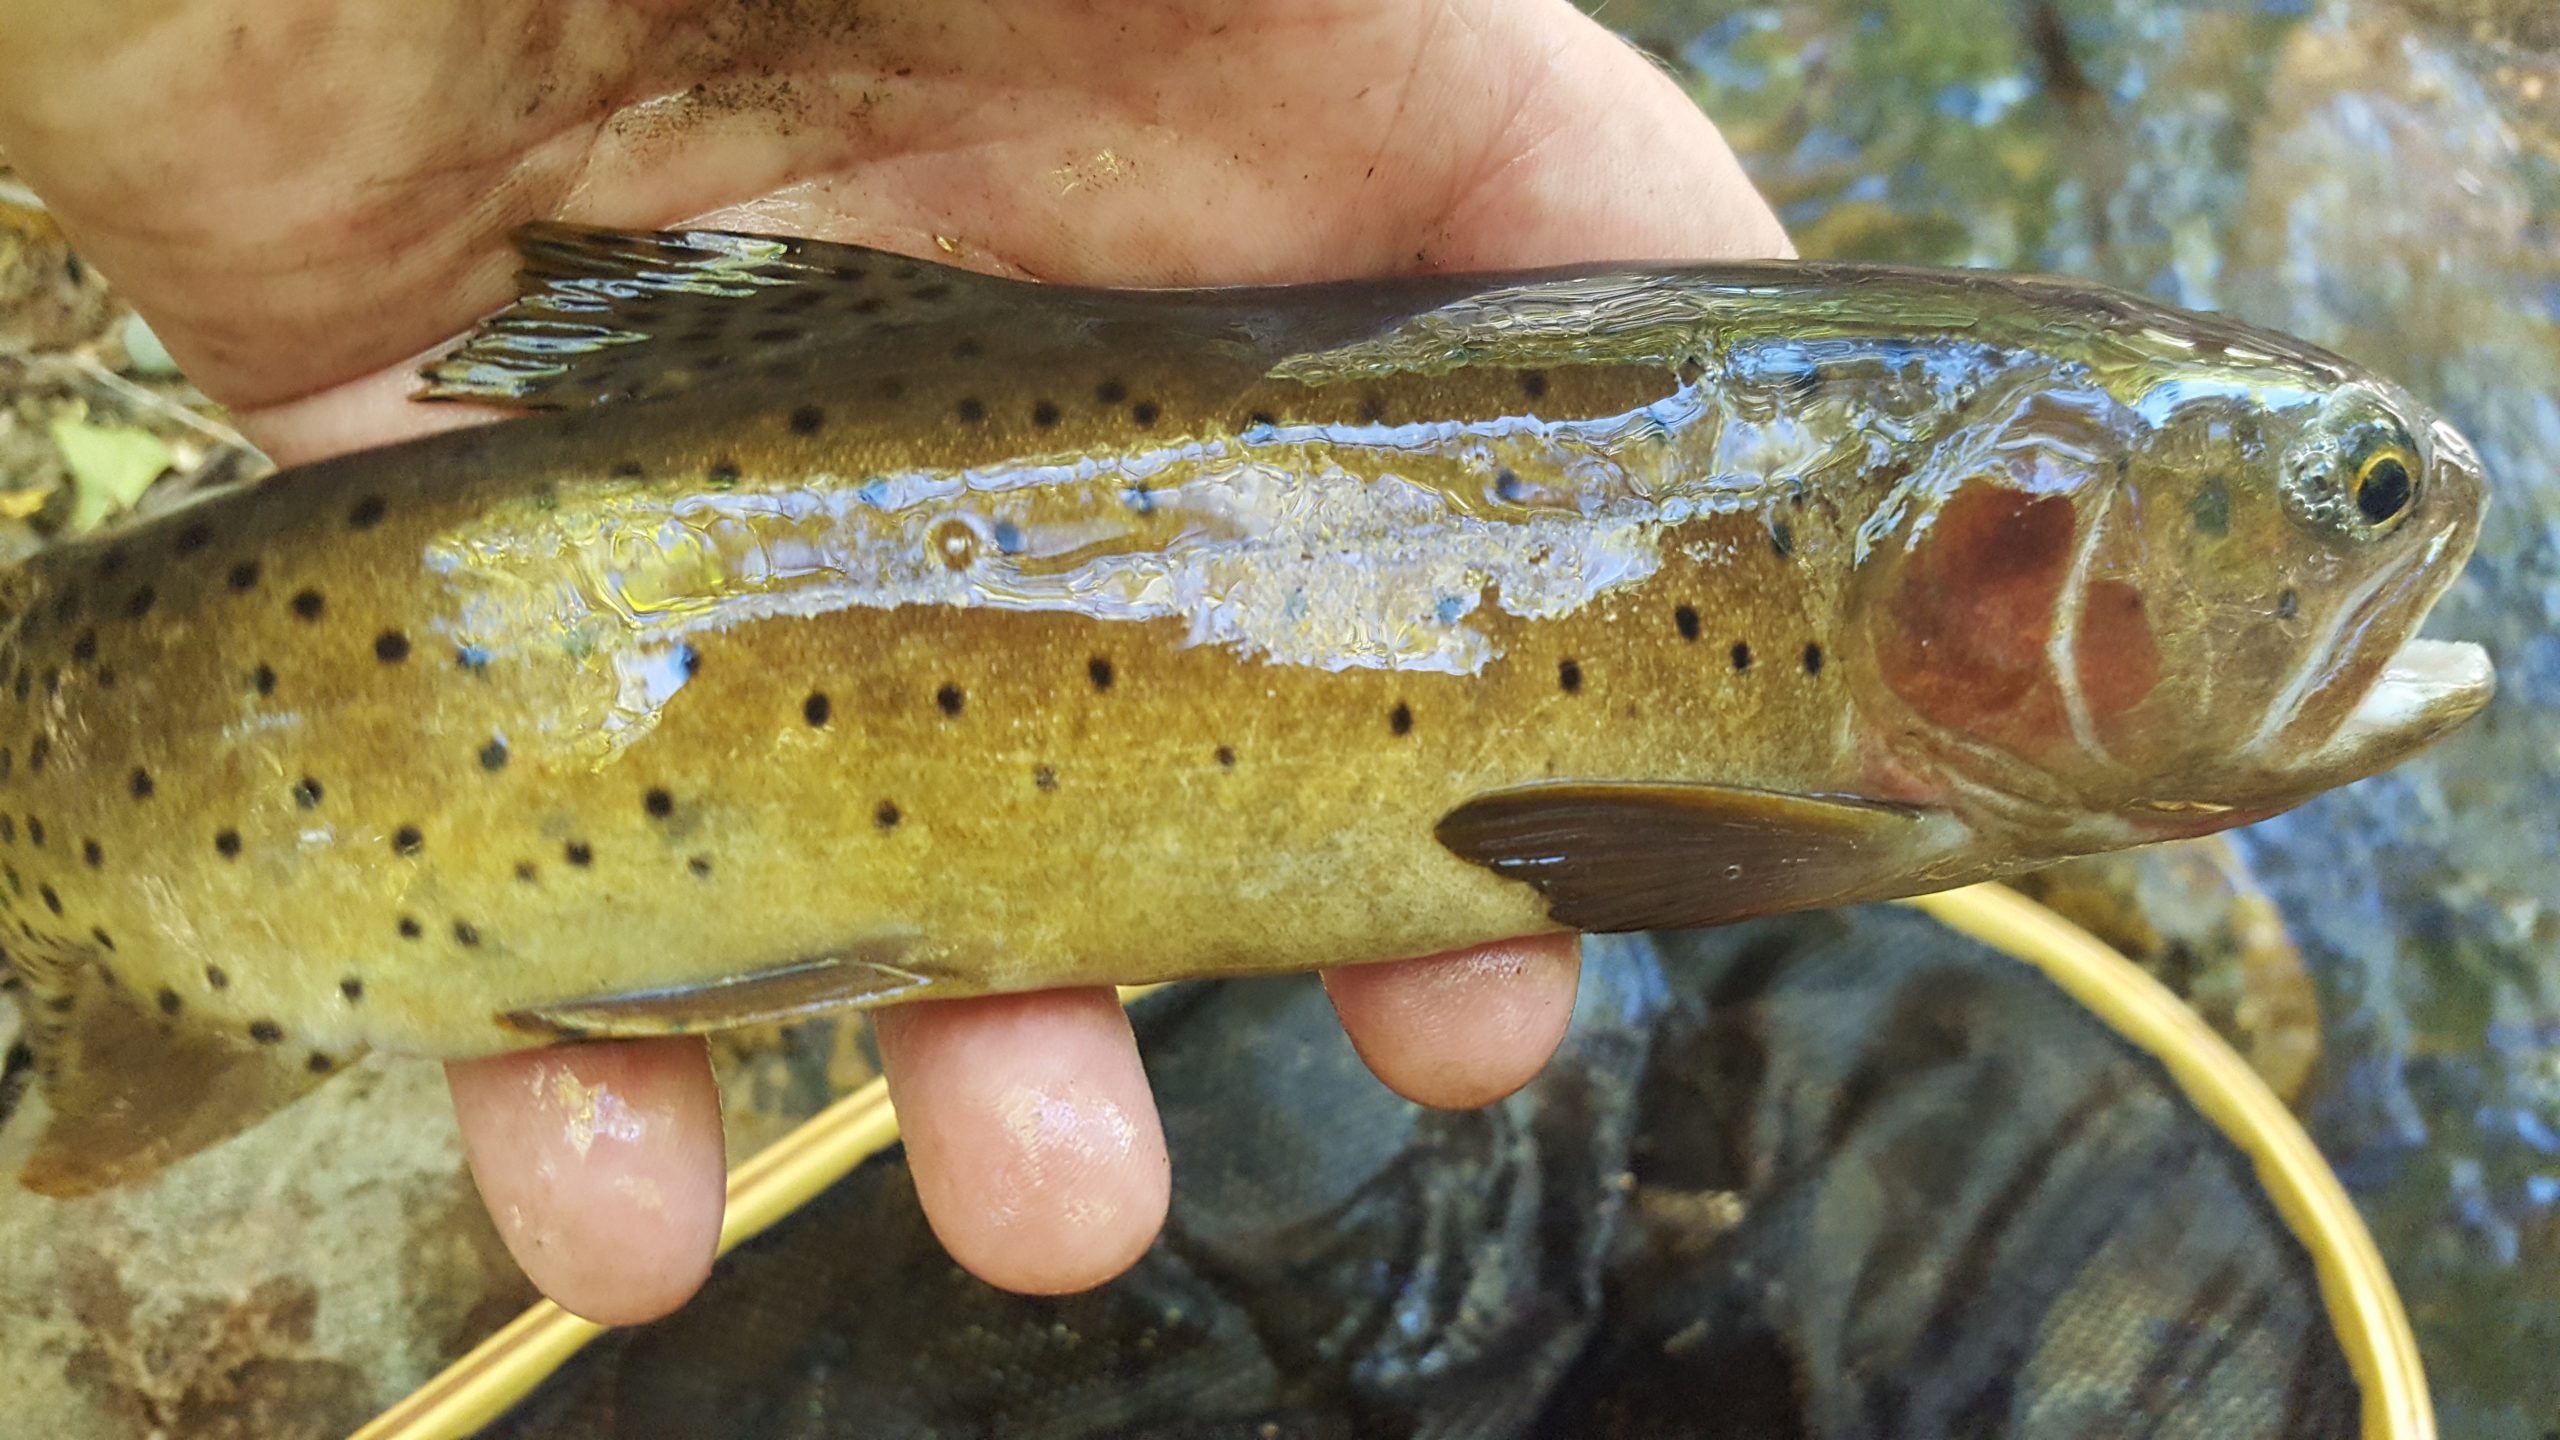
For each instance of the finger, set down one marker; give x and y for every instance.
(602, 1164)
(1035, 1144)
(1462, 1029)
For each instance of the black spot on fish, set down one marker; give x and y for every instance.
(1110, 392)
(410, 929)
(808, 420)
(493, 756)
(816, 709)
(39, 750)
(950, 698)
(8, 830)
(244, 576)
(1098, 670)
(52, 680)
(700, 865)
(309, 604)
(1373, 408)
(1569, 676)
(690, 659)
(626, 470)
(1226, 758)
(801, 302)
(659, 804)
(66, 606)
(93, 854)
(353, 989)
(889, 387)
(227, 844)
(140, 603)
(527, 872)
(85, 648)
(2288, 605)
(265, 1032)
(1044, 413)
(366, 514)
(170, 1004)
(215, 977)
(306, 793)
(106, 677)
(390, 647)
(1782, 538)
(466, 933)
(1685, 620)
(52, 901)
(972, 410)
(1533, 383)
(1143, 414)
(886, 817)
(194, 538)
(967, 348)
(868, 305)
(776, 335)
(319, 1064)
(579, 853)
(1507, 486)
(1813, 659)
(140, 784)
(1741, 655)
(105, 942)
(407, 840)
(23, 684)
(264, 679)
(723, 475)
(936, 290)
(1045, 780)
(1400, 719)
(35, 831)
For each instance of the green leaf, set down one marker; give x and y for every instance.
(111, 465)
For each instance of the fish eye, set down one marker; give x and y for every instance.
(2384, 487)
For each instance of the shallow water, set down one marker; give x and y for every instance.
(2383, 179)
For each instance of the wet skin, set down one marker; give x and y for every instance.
(329, 221)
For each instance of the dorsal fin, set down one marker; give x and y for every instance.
(610, 315)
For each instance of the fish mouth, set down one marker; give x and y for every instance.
(2426, 688)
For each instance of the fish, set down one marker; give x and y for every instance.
(833, 628)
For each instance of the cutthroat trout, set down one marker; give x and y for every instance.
(851, 629)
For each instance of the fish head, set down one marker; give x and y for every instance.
(2207, 620)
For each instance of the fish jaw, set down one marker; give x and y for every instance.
(2426, 690)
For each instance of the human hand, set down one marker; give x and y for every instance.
(303, 195)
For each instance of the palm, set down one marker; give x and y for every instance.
(303, 195)
(330, 195)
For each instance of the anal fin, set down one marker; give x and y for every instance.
(129, 1093)
(1644, 856)
(865, 976)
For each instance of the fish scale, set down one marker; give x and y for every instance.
(845, 629)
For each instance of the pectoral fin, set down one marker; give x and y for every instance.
(862, 977)
(1617, 857)
(130, 1094)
